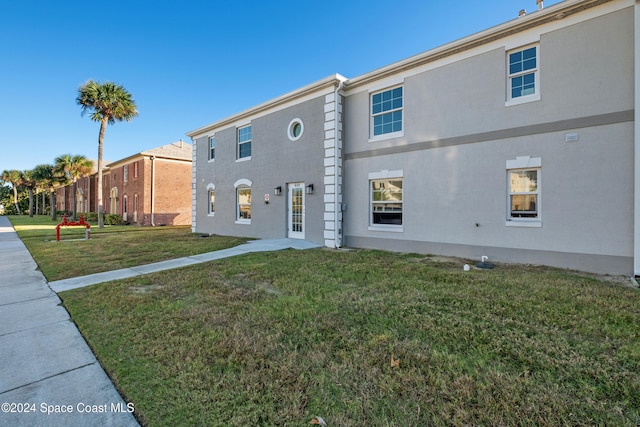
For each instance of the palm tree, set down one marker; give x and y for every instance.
(14, 177)
(73, 168)
(47, 178)
(29, 181)
(109, 102)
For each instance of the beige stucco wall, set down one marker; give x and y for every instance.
(458, 135)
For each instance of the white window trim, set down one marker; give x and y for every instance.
(526, 98)
(244, 183)
(524, 162)
(391, 135)
(386, 136)
(210, 187)
(386, 174)
(290, 128)
(238, 158)
(209, 149)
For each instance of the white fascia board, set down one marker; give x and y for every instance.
(519, 31)
(313, 90)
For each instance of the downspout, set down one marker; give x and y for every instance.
(153, 183)
(636, 143)
(338, 168)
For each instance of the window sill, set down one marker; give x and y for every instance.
(386, 136)
(390, 228)
(211, 215)
(522, 100)
(243, 221)
(530, 224)
(244, 159)
(212, 160)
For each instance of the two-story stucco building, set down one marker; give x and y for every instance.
(516, 143)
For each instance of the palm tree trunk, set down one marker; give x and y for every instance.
(15, 199)
(30, 190)
(103, 127)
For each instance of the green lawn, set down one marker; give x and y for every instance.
(110, 248)
(278, 338)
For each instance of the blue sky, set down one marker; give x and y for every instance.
(194, 62)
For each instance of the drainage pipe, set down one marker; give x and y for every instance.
(636, 144)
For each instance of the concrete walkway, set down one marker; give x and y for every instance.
(48, 374)
(46, 367)
(252, 246)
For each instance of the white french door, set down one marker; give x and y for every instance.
(296, 210)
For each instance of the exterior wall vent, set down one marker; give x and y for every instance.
(571, 137)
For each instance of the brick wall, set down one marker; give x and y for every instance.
(170, 200)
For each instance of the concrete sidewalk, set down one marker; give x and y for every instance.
(48, 374)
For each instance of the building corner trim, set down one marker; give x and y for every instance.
(333, 168)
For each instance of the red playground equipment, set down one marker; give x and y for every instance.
(66, 223)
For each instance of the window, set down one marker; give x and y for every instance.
(386, 111)
(125, 173)
(386, 202)
(244, 143)
(523, 74)
(135, 169)
(523, 193)
(244, 204)
(523, 186)
(212, 202)
(296, 128)
(212, 148)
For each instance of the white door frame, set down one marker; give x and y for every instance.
(296, 210)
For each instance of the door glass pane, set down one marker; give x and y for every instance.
(296, 210)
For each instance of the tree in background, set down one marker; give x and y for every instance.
(13, 177)
(29, 181)
(73, 168)
(47, 179)
(108, 102)
(5, 198)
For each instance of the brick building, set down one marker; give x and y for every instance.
(85, 197)
(152, 187)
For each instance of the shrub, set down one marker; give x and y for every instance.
(89, 216)
(112, 219)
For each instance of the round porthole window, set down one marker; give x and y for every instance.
(296, 129)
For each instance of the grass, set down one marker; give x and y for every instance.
(279, 338)
(110, 248)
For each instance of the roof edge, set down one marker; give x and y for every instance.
(332, 80)
(539, 17)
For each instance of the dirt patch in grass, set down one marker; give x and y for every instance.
(144, 289)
